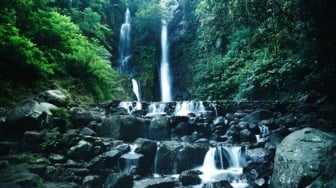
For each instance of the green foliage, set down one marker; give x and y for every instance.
(262, 49)
(39, 41)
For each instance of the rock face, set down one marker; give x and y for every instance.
(305, 157)
(159, 128)
(124, 127)
(56, 97)
(175, 157)
(30, 115)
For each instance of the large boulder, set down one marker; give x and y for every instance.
(30, 115)
(117, 180)
(83, 150)
(56, 97)
(159, 128)
(174, 157)
(148, 149)
(81, 117)
(305, 158)
(124, 127)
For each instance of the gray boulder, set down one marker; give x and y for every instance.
(305, 158)
(56, 97)
(118, 180)
(159, 128)
(124, 127)
(83, 150)
(30, 115)
(174, 157)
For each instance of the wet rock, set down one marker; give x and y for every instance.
(183, 128)
(61, 185)
(92, 181)
(148, 149)
(83, 150)
(190, 177)
(19, 175)
(105, 160)
(159, 128)
(219, 184)
(257, 155)
(174, 157)
(81, 117)
(57, 158)
(161, 182)
(87, 132)
(30, 115)
(258, 115)
(246, 136)
(303, 158)
(56, 97)
(117, 180)
(124, 127)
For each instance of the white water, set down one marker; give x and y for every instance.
(136, 89)
(131, 159)
(213, 170)
(125, 43)
(165, 82)
(156, 109)
(187, 107)
(130, 106)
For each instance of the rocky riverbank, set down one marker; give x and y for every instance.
(49, 142)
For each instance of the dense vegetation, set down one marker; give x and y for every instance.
(265, 49)
(58, 44)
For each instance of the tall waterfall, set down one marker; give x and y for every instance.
(125, 44)
(125, 53)
(165, 81)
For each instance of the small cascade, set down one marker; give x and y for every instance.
(264, 132)
(130, 160)
(130, 106)
(136, 89)
(214, 109)
(189, 107)
(125, 44)
(165, 80)
(155, 169)
(223, 163)
(156, 109)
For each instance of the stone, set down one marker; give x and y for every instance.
(174, 157)
(158, 182)
(219, 184)
(57, 158)
(246, 136)
(61, 185)
(190, 177)
(56, 97)
(19, 175)
(83, 150)
(108, 159)
(118, 180)
(124, 127)
(183, 128)
(159, 128)
(81, 117)
(148, 149)
(30, 115)
(258, 115)
(87, 132)
(92, 181)
(257, 155)
(304, 158)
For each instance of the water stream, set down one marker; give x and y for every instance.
(165, 77)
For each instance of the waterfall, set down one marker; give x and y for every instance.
(165, 82)
(131, 160)
(156, 109)
(223, 163)
(125, 44)
(187, 107)
(130, 106)
(136, 89)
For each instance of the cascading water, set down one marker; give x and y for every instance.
(125, 53)
(136, 89)
(156, 109)
(131, 160)
(223, 163)
(130, 106)
(125, 44)
(187, 107)
(165, 80)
